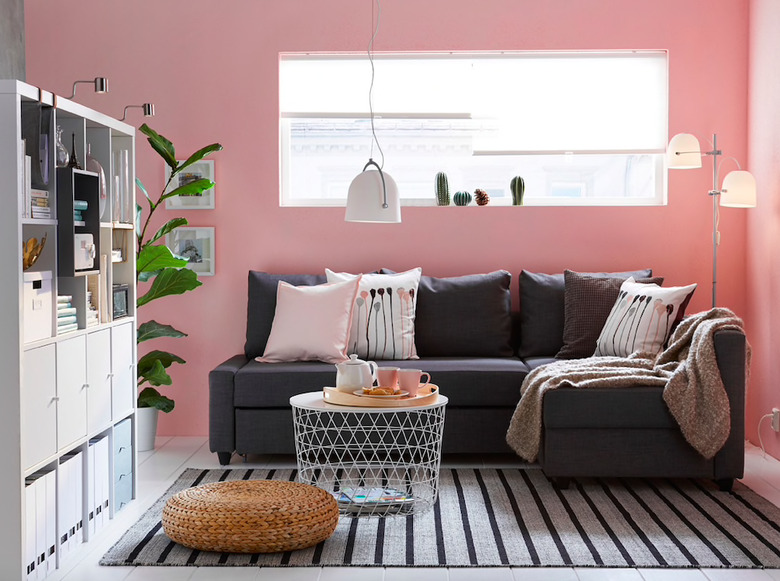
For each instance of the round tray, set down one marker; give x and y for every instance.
(427, 395)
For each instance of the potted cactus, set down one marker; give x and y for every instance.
(442, 190)
(517, 187)
(462, 198)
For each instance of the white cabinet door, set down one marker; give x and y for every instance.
(39, 405)
(71, 391)
(99, 380)
(123, 369)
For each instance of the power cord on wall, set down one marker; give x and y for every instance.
(760, 441)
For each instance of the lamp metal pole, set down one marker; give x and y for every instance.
(715, 192)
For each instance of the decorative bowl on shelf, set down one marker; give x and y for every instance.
(31, 250)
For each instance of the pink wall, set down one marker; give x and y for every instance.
(211, 70)
(764, 224)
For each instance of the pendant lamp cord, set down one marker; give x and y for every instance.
(371, 87)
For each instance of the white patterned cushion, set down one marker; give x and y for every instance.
(642, 318)
(383, 318)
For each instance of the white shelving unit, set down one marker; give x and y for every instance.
(67, 419)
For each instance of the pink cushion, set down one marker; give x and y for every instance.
(311, 323)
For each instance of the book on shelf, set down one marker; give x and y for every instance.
(66, 320)
(64, 298)
(40, 203)
(26, 186)
(64, 309)
(67, 328)
(80, 204)
(39, 193)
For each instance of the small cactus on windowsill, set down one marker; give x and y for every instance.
(442, 190)
(462, 198)
(517, 187)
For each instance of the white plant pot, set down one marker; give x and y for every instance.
(146, 427)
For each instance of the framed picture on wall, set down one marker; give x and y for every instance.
(196, 245)
(203, 169)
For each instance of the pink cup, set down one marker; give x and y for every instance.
(409, 380)
(387, 377)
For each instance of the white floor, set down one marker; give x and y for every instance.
(158, 469)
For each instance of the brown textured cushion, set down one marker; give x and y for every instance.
(588, 301)
(542, 310)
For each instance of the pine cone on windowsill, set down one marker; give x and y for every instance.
(481, 197)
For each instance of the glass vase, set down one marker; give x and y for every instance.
(93, 165)
(62, 157)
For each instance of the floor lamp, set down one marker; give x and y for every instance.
(737, 191)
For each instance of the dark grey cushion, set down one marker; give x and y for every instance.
(261, 305)
(542, 310)
(631, 408)
(466, 381)
(588, 301)
(466, 316)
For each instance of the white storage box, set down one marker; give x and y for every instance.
(85, 252)
(37, 306)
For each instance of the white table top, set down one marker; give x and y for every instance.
(313, 400)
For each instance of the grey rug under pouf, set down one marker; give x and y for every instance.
(511, 517)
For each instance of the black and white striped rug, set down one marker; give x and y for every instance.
(512, 517)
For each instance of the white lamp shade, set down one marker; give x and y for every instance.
(739, 190)
(683, 152)
(366, 196)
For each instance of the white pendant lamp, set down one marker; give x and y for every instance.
(373, 197)
(373, 194)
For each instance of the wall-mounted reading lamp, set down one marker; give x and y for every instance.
(147, 107)
(100, 83)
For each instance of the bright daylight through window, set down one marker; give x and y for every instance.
(581, 128)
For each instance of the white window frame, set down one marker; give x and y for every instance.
(649, 154)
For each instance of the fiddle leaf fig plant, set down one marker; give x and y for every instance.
(167, 273)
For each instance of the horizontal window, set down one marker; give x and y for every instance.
(581, 129)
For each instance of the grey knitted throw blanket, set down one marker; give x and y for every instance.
(687, 370)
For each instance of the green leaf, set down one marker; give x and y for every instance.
(153, 258)
(149, 362)
(143, 189)
(147, 276)
(153, 330)
(169, 227)
(153, 371)
(151, 398)
(170, 281)
(161, 145)
(200, 154)
(138, 227)
(190, 189)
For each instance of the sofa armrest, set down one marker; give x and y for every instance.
(730, 348)
(222, 420)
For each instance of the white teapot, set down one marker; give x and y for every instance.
(355, 374)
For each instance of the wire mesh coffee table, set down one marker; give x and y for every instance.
(375, 461)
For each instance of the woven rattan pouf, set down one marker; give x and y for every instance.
(250, 516)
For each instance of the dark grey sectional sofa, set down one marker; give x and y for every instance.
(478, 351)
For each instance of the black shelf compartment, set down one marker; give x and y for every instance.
(75, 184)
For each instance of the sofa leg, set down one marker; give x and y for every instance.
(725, 484)
(224, 458)
(561, 482)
